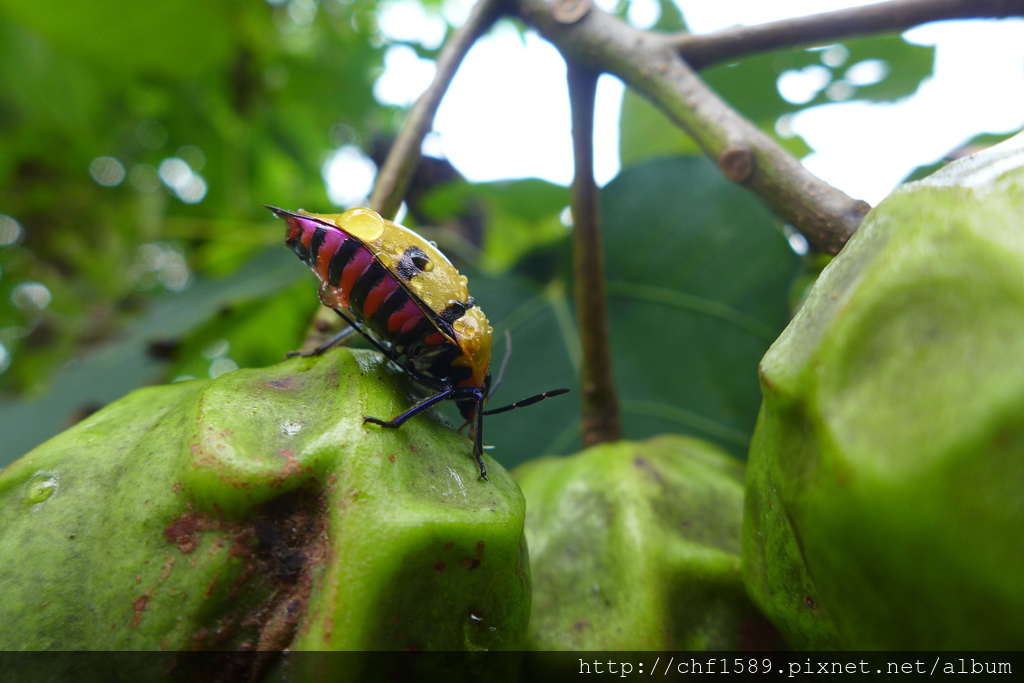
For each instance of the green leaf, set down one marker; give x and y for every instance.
(698, 277)
(750, 84)
(645, 133)
(521, 215)
(167, 38)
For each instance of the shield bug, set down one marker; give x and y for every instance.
(405, 296)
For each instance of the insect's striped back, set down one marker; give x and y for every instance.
(409, 300)
(353, 277)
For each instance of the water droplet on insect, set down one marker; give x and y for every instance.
(365, 224)
(41, 487)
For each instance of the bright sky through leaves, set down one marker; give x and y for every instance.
(507, 112)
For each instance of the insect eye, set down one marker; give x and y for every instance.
(413, 261)
(455, 310)
(421, 261)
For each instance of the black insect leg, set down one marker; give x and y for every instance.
(477, 435)
(418, 408)
(333, 341)
(369, 337)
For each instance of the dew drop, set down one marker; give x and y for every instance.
(41, 487)
(477, 636)
(365, 224)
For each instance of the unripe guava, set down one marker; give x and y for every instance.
(885, 485)
(257, 511)
(635, 546)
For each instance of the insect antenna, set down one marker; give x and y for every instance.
(504, 364)
(527, 401)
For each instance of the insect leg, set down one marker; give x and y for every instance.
(418, 408)
(526, 401)
(369, 337)
(477, 435)
(353, 326)
(333, 341)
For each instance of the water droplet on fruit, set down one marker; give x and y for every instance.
(477, 635)
(41, 487)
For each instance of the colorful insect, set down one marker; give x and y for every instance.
(410, 302)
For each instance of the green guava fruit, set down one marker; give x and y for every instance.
(636, 546)
(885, 485)
(256, 511)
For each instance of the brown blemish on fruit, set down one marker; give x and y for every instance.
(139, 606)
(281, 546)
(291, 466)
(328, 630)
(183, 530)
(472, 563)
(165, 571)
(282, 383)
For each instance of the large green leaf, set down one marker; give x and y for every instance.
(699, 274)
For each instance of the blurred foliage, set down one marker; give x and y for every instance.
(833, 73)
(137, 145)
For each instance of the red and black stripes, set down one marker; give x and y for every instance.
(377, 297)
(410, 302)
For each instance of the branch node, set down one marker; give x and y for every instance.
(737, 163)
(570, 11)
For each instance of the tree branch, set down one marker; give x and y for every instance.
(701, 51)
(600, 402)
(392, 181)
(651, 64)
